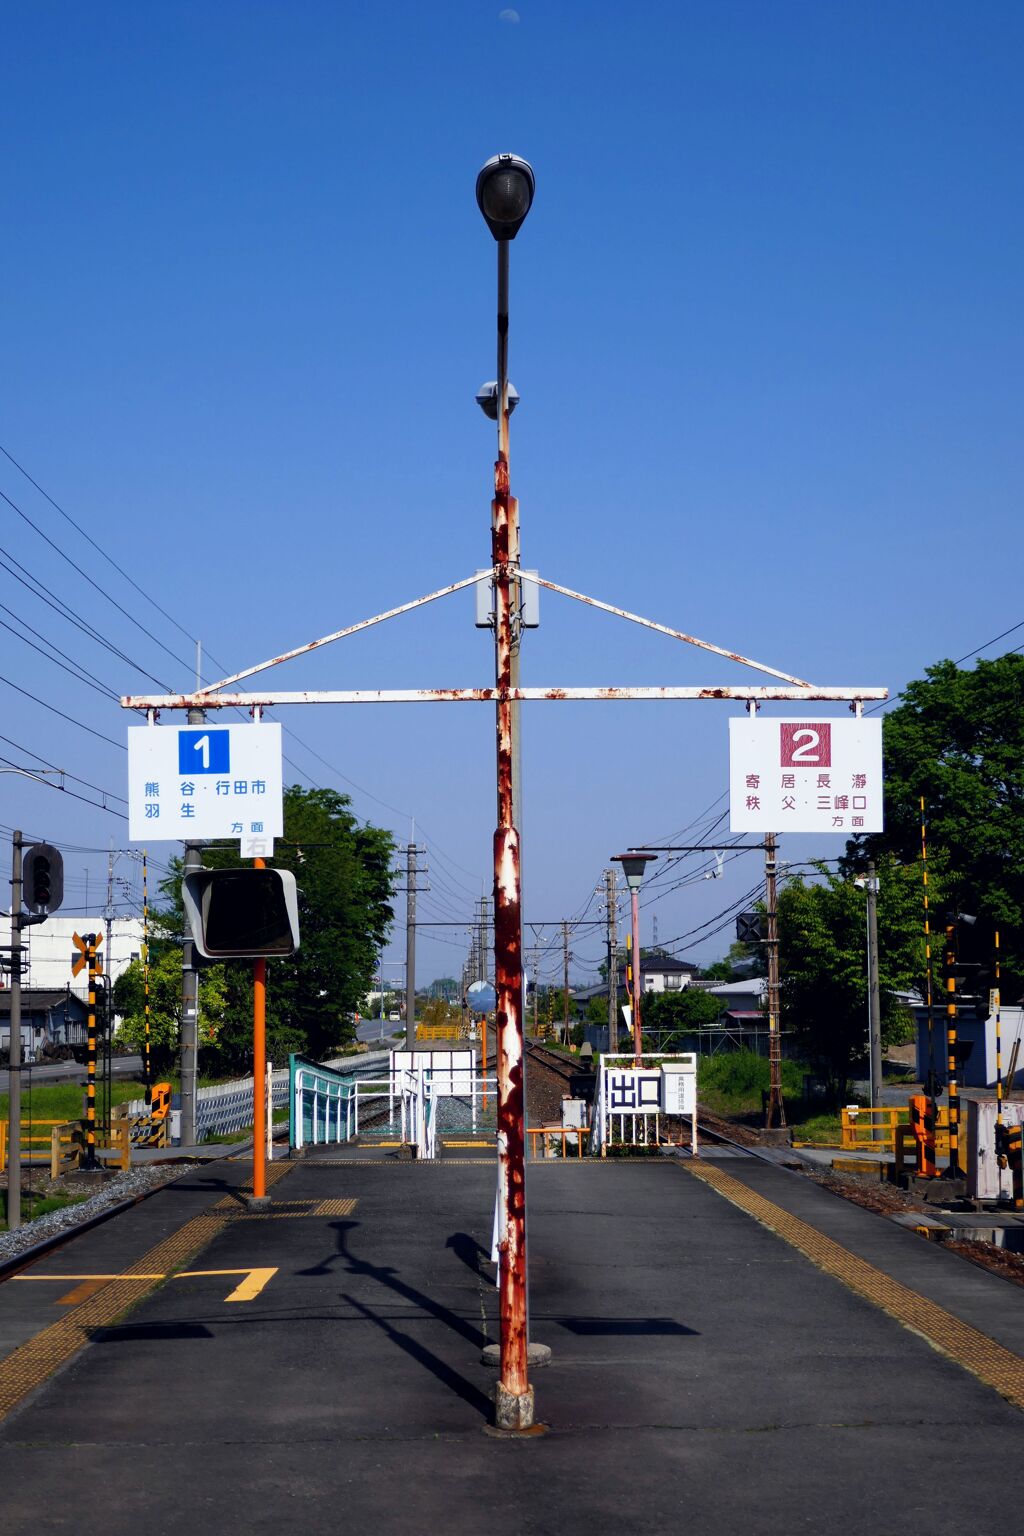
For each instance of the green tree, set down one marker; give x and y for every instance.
(344, 874)
(597, 1011)
(823, 964)
(957, 739)
(683, 1011)
(743, 960)
(165, 1005)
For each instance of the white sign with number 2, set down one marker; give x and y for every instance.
(805, 775)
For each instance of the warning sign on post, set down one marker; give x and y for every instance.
(805, 775)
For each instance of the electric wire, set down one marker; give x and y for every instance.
(94, 584)
(55, 711)
(72, 671)
(885, 703)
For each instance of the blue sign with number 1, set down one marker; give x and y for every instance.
(204, 752)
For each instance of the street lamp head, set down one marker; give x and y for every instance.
(504, 192)
(487, 399)
(633, 867)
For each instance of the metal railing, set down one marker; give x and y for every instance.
(60, 1145)
(556, 1139)
(322, 1105)
(330, 1106)
(862, 1129)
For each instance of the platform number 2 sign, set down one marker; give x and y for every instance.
(805, 746)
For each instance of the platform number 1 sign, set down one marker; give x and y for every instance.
(204, 751)
(188, 783)
(805, 775)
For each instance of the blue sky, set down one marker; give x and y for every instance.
(766, 326)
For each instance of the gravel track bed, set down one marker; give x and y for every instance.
(123, 1186)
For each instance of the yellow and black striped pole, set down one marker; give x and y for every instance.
(930, 1081)
(148, 1072)
(999, 1049)
(90, 1085)
(951, 1053)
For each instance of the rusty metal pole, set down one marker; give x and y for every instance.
(513, 1394)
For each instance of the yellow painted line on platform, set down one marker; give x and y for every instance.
(30, 1365)
(990, 1362)
(80, 1292)
(251, 1286)
(334, 1207)
(89, 1284)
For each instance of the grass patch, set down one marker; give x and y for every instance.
(224, 1138)
(30, 1208)
(824, 1128)
(732, 1082)
(63, 1101)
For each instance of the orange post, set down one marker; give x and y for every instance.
(483, 1030)
(259, 1073)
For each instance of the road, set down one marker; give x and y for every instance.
(371, 1030)
(64, 1071)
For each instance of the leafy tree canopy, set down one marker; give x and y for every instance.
(823, 963)
(165, 1005)
(689, 1008)
(344, 874)
(957, 739)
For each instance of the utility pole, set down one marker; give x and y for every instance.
(190, 984)
(109, 913)
(874, 995)
(14, 1052)
(775, 1103)
(613, 961)
(411, 888)
(565, 982)
(483, 945)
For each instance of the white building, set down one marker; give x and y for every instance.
(49, 947)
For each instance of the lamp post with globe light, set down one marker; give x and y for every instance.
(633, 867)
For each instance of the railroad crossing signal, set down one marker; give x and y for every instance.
(750, 928)
(42, 879)
(80, 953)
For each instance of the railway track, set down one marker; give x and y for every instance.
(552, 1061)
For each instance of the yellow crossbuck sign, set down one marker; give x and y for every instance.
(81, 960)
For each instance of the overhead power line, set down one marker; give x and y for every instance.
(91, 541)
(94, 584)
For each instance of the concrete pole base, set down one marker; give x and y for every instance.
(257, 1202)
(536, 1355)
(512, 1410)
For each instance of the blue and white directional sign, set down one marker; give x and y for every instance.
(203, 781)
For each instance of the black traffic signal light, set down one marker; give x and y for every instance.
(42, 879)
(242, 914)
(969, 958)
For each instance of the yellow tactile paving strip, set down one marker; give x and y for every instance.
(39, 1357)
(990, 1362)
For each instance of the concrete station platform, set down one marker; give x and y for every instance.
(717, 1360)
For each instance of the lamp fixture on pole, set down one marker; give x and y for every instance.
(634, 866)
